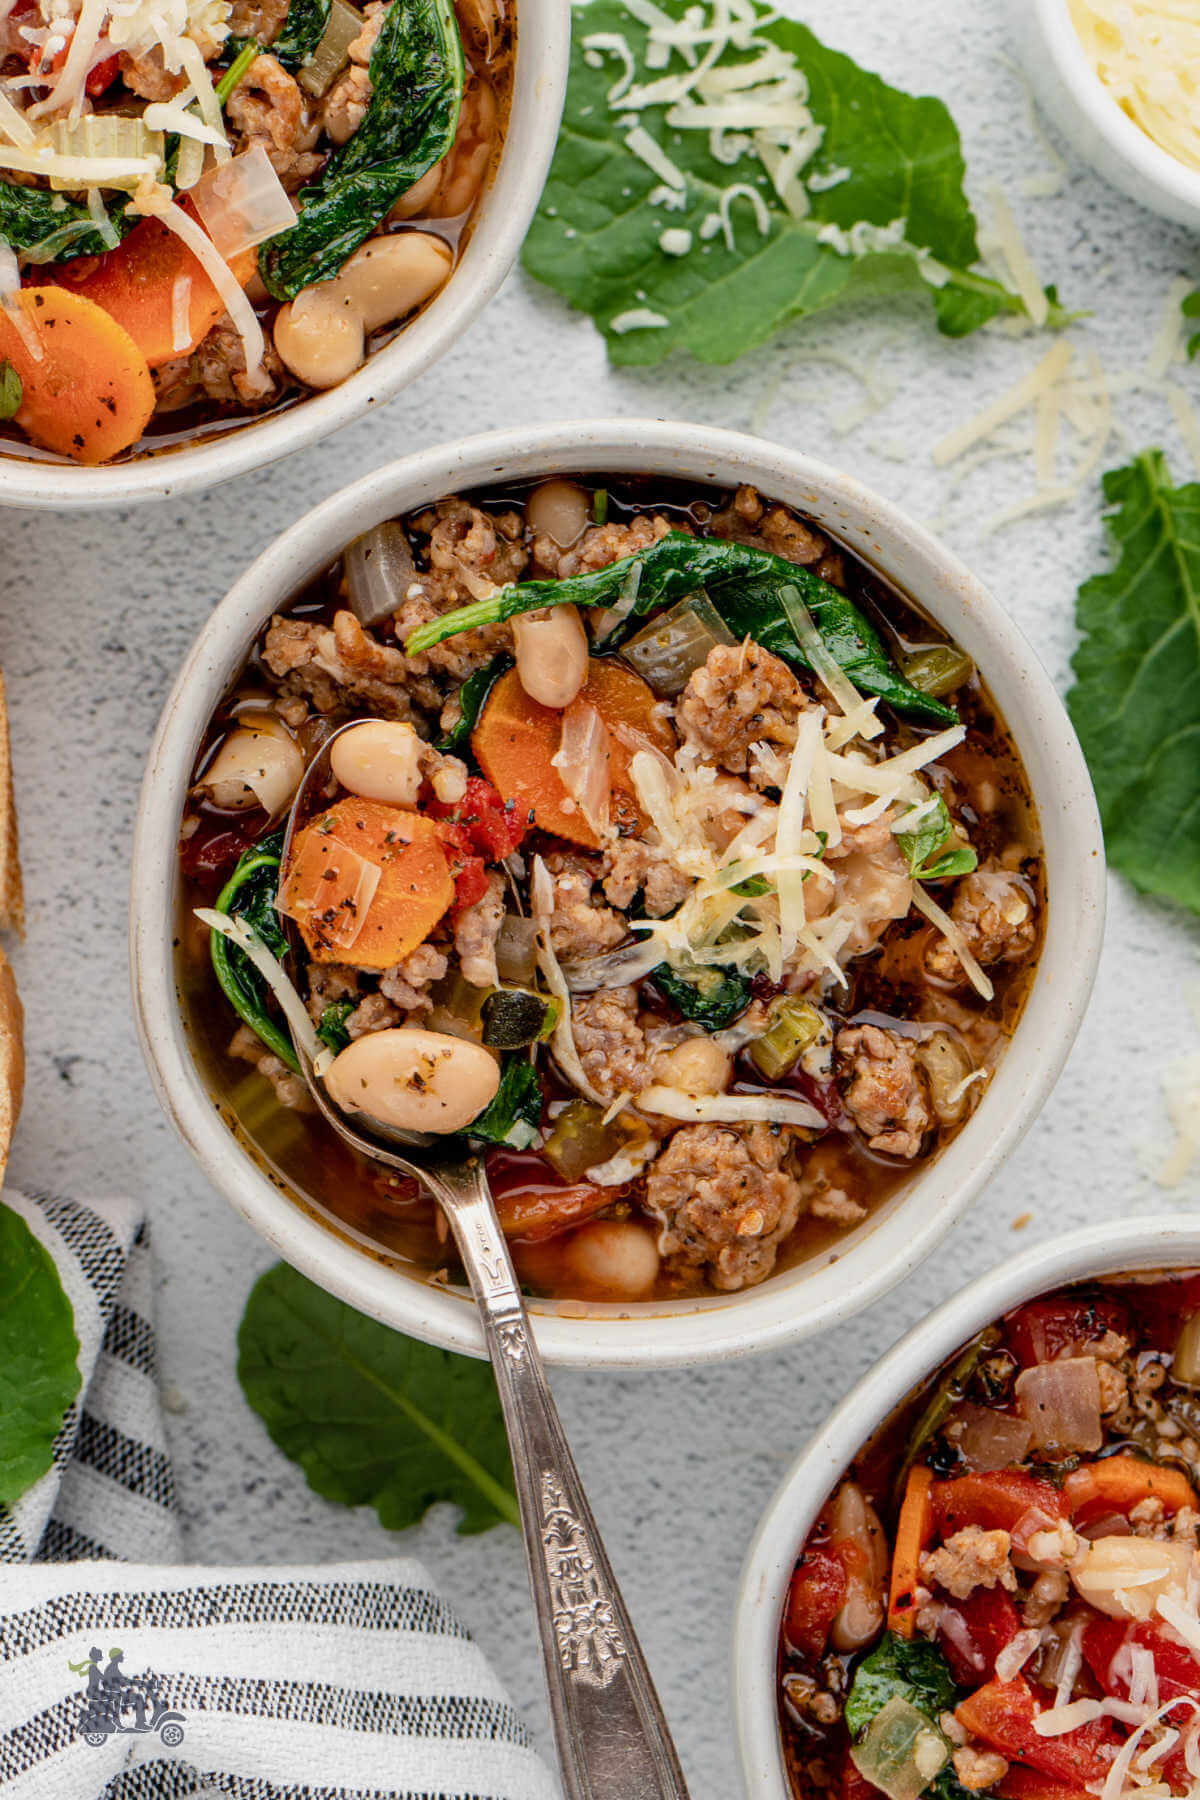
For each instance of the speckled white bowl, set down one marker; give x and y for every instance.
(1148, 1243)
(29, 477)
(1076, 100)
(867, 1261)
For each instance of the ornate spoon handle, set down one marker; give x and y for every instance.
(613, 1740)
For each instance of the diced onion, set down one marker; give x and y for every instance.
(991, 1440)
(379, 565)
(303, 1030)
(1061, 1402)
(242, 203)
(583, 762)
(673, 1103)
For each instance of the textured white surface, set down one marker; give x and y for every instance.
(98, 613)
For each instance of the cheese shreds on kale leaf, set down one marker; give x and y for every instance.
(1136, 699)
(804, 182)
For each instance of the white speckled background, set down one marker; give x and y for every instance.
(98, 612)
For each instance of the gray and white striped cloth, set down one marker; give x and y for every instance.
(158, 1681)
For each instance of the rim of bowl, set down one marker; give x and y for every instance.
(539, 88)
(823, 1290)
(1158, 1240)
(1154, 164)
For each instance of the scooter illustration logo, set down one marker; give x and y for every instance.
(117, 1702)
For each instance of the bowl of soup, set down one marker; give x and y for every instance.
(232, 230)
(982, 1575)
(705, 831)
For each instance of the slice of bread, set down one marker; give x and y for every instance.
(12, 892)
(12, 1057)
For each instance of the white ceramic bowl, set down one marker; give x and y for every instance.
(829, 1288)
(29, 477)
(1076, 100)
(1147, 1243)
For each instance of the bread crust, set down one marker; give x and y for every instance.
(12, 890)
(12, 1057)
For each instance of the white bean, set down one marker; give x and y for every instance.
(616, 1258)
(319, 337)
(698, 1066)
(414, 1080)
(552, 654)
(259, 764)
(379, 760)
(1124, 1576)
(854, 1521)
(561, 510)
(391, 276)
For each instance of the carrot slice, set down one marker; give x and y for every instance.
(366, 883)
(516, 739)
(85, 387)
(914, 1529)
(139, 285)
(1120, 1482)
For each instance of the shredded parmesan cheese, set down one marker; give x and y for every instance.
(156, 203)
(955, 939)
(304, 1034)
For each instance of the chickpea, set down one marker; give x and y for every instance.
(1124, 1576)
(259, 764)
(615, 1258)
(379, 760)
(414, 1080)
(560, 509)
(698, 1066)
(321, 334)
(552, 654)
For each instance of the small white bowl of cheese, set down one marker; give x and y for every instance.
(1121, 80)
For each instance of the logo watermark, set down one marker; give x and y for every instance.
(116, 1702)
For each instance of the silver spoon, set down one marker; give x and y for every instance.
(612, 1736)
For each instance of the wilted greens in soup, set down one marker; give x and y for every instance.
(1001, 1596)
(678, 862)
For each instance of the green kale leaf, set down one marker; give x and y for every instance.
(39, 1373)
(249, 894)
(712, 997)
(886, 209)
(1136, 698)
(472, 696)
(332, 1028)
(44, 227)
(915, 1671)
(410, 122)
(750, 588)
(373, 1418)
(515, 1115)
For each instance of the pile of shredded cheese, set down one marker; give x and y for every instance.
(1147, 54)
(755, 115)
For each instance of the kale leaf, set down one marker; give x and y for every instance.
(745, 585)
(302, 31)
(472, 696)
(249, 894)
(712, 997)
(1136, 698)
(332, 1028)
(373, 1418)
(515, 1114)
(883, 213)
(39, 1373)
(410, 122)
(915, 1671)
(46, 228)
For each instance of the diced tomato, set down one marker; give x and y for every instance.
(494, 826)
(1030, 1784)
(1047, 1329)
(470, 882)
(989, 1621)
(996, 1501)
(814, 1599)
(1002, 1715)
(1177, 1669)
(1160, 1307)
(99, 78)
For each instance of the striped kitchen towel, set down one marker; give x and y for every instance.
(152, 1680)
